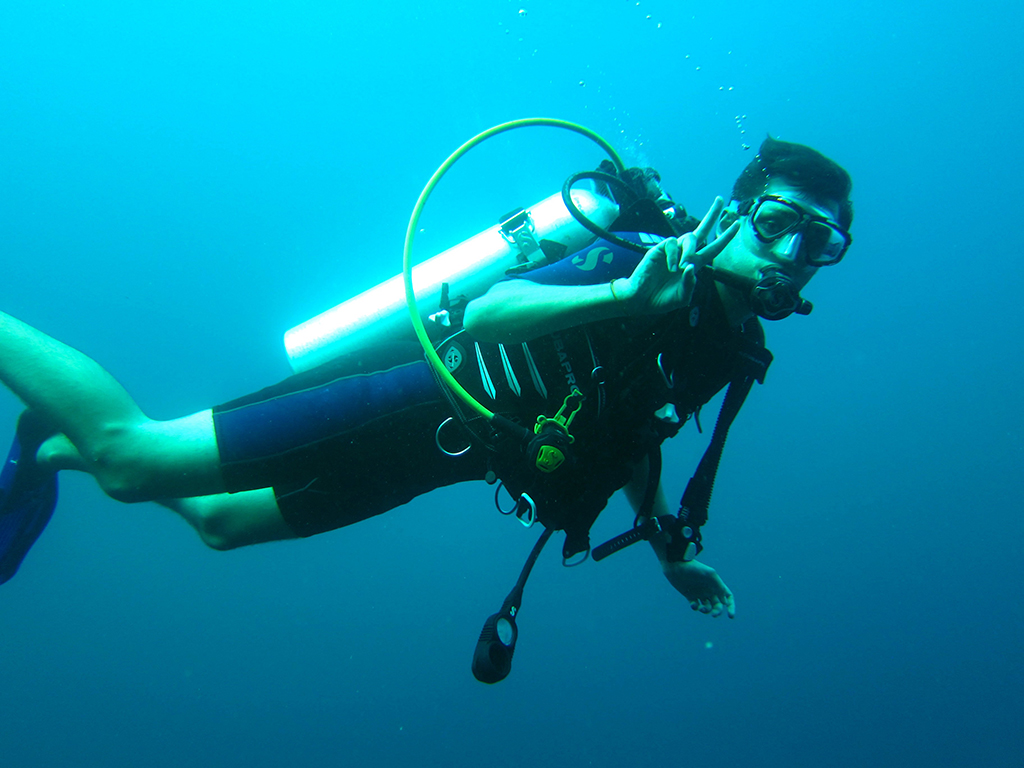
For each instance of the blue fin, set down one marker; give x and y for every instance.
(28, 495)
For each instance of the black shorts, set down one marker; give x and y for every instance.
(345, 441)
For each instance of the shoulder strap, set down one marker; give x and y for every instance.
(693, 506)
(754, 362)
(683, 540)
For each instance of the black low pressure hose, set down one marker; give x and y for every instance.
(618, 185)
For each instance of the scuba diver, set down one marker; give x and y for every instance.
(591, 361)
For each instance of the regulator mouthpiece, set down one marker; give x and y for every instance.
(776, 296)
(773, 297)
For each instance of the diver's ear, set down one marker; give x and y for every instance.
(728, 217)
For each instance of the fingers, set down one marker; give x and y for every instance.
(689, 282)
(693, 247)
(703, 230)
(716, 605)
(679, 251)
(656, 278)
(706, 254)
(674, 251)
(707, 605)
(664, 254)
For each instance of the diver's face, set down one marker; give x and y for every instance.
(748, 255)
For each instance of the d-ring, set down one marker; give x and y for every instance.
(441, 448)
(669, 378)
(526, 510)
(573, 563)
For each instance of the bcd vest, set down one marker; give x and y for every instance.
(641, 380)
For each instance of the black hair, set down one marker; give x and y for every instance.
(801, 166)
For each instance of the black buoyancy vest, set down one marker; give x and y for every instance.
(628, 370)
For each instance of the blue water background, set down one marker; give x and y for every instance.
(181, 182)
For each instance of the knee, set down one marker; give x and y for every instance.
(116, 457)
(218, 525)
(227, 521)
(217, 539)
(123, 482)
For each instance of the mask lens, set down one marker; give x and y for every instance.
(773, 219)
(823, 244)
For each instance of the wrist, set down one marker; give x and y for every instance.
(621, 295)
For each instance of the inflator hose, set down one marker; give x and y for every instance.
(615, 184)
(410, 294)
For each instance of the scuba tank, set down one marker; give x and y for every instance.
(524, 239)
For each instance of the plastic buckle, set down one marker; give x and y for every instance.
(574, 401)
(691, 546)
(442, 318)
(682, 540)
(519, 231)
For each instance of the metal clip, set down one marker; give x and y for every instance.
(441, 448)
(519, 231)
(525, 508)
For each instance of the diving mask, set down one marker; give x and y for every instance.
(822, 241)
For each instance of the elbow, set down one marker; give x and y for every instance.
(474, 320)
(484, 317)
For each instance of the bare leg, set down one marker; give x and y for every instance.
(226, 521)
(99, 429)
(223, 521)
(133, 457)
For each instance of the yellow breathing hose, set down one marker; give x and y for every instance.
(410, 294)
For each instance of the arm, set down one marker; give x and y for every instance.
(698, 583)
(520, 310)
